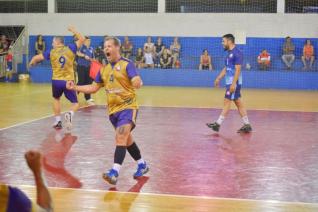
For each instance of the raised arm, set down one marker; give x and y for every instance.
(79, 36)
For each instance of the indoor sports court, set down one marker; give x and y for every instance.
(200, 158)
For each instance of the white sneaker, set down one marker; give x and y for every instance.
(68, 121)
(90, 102)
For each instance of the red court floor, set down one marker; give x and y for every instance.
(278, 161)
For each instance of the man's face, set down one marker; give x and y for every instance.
(55, 43)
(225, 43)
(111, 50)
(288, 40)
(87, 42)
(149, 39)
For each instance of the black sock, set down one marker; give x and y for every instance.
(120, 153)
(134, 151)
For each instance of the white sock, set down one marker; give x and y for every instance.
(220, 120)
(72, 113)
(116, 167)
(140, 161)
(57, 118)
(245, 120)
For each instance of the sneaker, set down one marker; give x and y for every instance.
(245, 129)
(57, 125)
(214, 126)
(142, 169)
(111, 176)
(68, 121)
(90, 102)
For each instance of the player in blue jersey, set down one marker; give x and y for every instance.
(233, 81)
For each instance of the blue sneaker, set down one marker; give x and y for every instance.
(142, 169)
(111, 176)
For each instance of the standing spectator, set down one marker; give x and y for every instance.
(264, 60)
(159, 47)
(205, 61)
(288, 53)
(165, 59)
(175, 48)
(39, 45)
(149, 45)
(8, 62)
(85, 54)
(139, 60)
(126, 48)
(308, 55)
(148, 55)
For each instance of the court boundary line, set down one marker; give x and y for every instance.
(177, 195)
(37, 119)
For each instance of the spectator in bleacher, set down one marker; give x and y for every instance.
(288, 53)
(175, 48)
(205, 61)
(150, 46)
(127, 48)
(308, 55)
(84, 56)
(148, 57)
(139, 59)
(165, 59)
(39, 45)
(159, 47)
(264, 60)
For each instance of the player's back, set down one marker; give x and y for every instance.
(62, 61)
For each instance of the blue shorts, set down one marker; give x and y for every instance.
(233, 96)
(59, 87)
(128, 116)
(9, 66)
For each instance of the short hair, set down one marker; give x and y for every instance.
(229, 37)
(287, 37)
(87, 38)
(114, 39)
(59, 38)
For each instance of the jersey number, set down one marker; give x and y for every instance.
(62, 61)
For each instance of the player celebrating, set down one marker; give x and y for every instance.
(233, 79)
(120, 79)
(62, 59)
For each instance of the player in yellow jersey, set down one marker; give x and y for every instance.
(120, 79)
(62, 59)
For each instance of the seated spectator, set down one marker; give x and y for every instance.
(308, 55)
(39, 45)
(205, 61)
(159, 47)
(288, 53)
(139, 60)
(175, 48)
(16, 200)
(126, 48)
(5, 43)
(264, 60)
(148, 57)
(165, 59)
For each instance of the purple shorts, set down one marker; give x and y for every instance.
(233, 96)
(121, 118)
(59, 87)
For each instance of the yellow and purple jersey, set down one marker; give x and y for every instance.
(62, 61)
(13, 200)
(116, 78)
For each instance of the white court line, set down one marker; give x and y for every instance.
(33, 120)
(177, 195)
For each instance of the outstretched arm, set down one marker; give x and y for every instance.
(36, 59)
(79, 36)
(88, 89)
(33, 159)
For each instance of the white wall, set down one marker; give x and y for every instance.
(254, 25)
